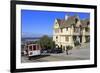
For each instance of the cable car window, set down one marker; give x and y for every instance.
(37, 47)
(34, 47)
(30, 48)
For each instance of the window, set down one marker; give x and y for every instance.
(87, 29)
(56, 22)
(56, 37)
(67, 38)
(74, 38)
(61, 30)
(30, 48)
(34, 47)
(37, 47)
(76, 29)
(66, 28)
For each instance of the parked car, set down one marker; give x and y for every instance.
(43, 50)
(55, 50)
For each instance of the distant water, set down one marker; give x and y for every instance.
(24, 40)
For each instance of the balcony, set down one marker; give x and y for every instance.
(76, 33)
(73, 33)
(62, 33)
(86, 33)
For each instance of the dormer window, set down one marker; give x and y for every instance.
(56, 22)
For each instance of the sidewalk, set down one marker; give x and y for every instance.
(79, 52)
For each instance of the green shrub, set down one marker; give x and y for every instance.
(69, 47)
(76, 43)
(87, 40)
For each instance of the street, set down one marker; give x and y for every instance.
(75, 54)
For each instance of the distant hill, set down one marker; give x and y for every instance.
(33, 36)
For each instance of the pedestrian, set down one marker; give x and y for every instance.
(67, 51)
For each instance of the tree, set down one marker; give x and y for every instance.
(46, 42)
(34, 42)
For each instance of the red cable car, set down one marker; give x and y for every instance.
(32, 50)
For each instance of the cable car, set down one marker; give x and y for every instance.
(32, 50)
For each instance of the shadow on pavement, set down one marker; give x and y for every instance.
(38, 57)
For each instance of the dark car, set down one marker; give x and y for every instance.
(56, 50)
(44, 51)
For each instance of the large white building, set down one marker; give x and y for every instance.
(70, 30)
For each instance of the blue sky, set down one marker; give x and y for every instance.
(41, 22)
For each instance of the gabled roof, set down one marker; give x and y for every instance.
(68, 22)
(85, 22)
(60, 22)
(72, 20)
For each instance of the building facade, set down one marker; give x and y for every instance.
(70, 31)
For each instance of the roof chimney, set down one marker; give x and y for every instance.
(66, 16)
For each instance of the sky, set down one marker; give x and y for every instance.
(42, 22)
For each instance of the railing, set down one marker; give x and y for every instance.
(73, 33)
